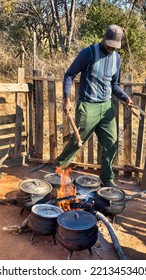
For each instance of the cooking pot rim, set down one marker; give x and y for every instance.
(79, 227)
(39, 212)
(69, 181)
(85, 184)
(33, 188)
(105, 190)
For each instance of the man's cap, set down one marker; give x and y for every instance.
(113, 36)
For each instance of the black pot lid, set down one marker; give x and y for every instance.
(88, 181)
(55, 179)
(110, 193)
(77, 220)
(35, 186)
(46, 210)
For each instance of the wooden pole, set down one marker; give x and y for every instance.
(52, 119)
(128, 127)
(140, 141)
(143, 182)
(39, 108)
(34, 50)
(19, 114)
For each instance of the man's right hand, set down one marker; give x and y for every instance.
(66, 105)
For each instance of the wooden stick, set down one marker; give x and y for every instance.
(131, 110)
(76, 130)
(139, 109)
(5, 157)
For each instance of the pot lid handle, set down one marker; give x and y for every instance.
(35, 183)
(77, 216)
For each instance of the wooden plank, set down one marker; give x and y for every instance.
(90, 165)
(19, 113)
(90, 150)
(38, 89)
(126, 169)
(14, 87)
(10, 140)
(8, 130)
(80, 154)
(141, 131)
(140, 141)
(66, 128)
(30, 123)
(99, 153)
(52, 119)
(8, 119)
(128, 129)
(46, 146)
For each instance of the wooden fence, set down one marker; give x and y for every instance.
(47, 130)
(13, 118)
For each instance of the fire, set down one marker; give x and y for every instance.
(66, 188)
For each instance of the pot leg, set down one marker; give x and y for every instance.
(32, 238)
(21, 212)
(69, 255)
(54, 240)
(90, 251)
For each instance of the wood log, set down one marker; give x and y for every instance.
(125, 168)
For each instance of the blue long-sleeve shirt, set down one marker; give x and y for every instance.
(100, 75)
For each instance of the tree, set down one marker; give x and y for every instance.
(133, 50)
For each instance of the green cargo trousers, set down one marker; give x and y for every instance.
(98, 118)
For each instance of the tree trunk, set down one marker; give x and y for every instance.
(70, 24)
(56, 22)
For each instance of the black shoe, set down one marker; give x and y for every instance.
(110, 184)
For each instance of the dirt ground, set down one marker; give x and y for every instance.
(129, 226)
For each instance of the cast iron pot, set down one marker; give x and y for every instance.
(31, 191)
(109, 201)
(43, 219)
(87, 183)
(35, 187)
(24, 200)
(55, 180)
(77, 230)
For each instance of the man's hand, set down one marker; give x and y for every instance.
(66, 105)
(129, 101)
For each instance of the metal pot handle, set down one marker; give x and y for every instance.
(77, 216)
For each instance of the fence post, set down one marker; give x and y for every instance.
(140, 142)
(128, 126)
(19, 114)
(38, 104)
(52, 119)
(66, 126)
(143, 182)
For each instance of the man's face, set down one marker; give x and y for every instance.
(107, 49)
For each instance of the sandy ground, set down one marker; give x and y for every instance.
(129, 226)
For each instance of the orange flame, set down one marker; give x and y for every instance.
(66, 188)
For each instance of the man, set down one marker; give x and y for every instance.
(99, 66)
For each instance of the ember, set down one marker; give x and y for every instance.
(66, 189)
